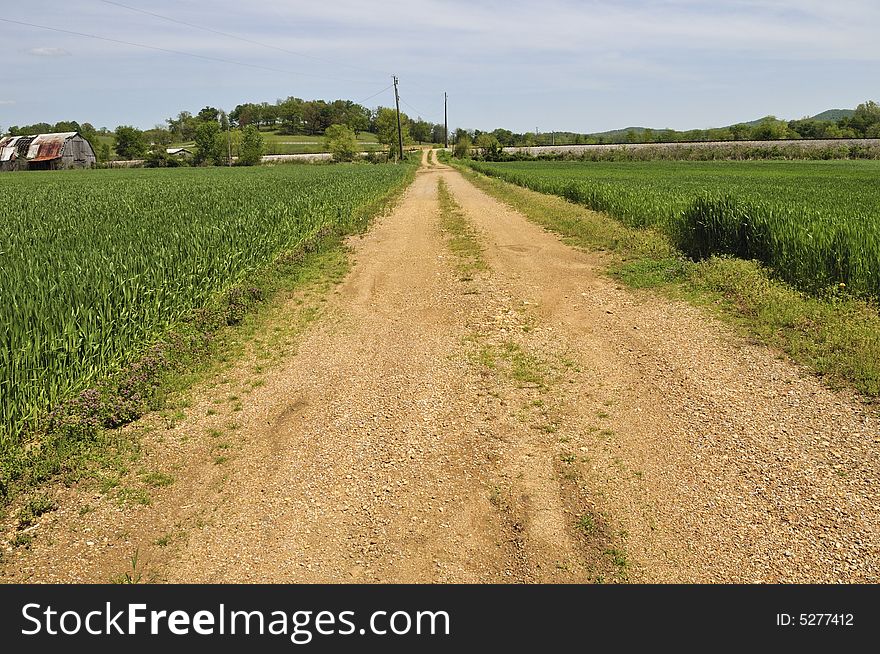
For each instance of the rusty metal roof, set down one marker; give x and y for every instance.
(41, 147)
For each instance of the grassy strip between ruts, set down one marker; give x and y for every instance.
(462, 239)
(76, 442)
(836, 336)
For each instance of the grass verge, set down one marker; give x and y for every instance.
(836, 336)
(79, 438)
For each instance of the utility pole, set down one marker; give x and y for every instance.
(445, 122)
(397, 105)
(229, 142)
(224, 118)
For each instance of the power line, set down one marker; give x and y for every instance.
(412, 82)
(419, 114)
(260, 43)
(241, 38)
(370, 97)
(183, 54)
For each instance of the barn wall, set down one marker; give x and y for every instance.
(78, 153)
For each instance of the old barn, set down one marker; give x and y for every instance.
(46, 152)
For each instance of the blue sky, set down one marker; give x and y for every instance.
(553, 65)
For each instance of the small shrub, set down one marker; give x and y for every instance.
(341, 142)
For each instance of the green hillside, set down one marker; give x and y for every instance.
(833, 115)
(830, 115)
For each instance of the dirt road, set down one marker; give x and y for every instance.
(529, 421)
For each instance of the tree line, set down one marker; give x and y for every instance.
(215, 133)
(218, 135)
(863, 123)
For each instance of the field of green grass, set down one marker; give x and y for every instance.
(816, 224)
(96, 265)
(275, 143)
(281, 144)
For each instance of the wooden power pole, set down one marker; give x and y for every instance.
(397, 105)
(225, 119)
(445, 122)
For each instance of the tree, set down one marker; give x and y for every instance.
(462, 148)
(770, 129)
(251, 149)
(66, 126)
(865, 117)
(206, 143)
(356, 117)
(184, 126)
(209, 114)
(317, 116)
(158, 136)
(245, 114)
(341, 142)
(27, 130)
(291, 113)
(421, 130)
(740, 132)
(130, 142)
(504, 136)
(222, 148)
(386, 129)
(89, 132)
(269, 114)
(489, 146)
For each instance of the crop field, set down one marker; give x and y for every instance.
(816, 224)
(94, 264)
(282, 144)
(275, 143)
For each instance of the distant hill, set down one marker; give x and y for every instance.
(620, 133)
(753, 123)
(830, 115)
(833, 115)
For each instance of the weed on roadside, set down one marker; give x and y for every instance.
(131, 576)
(34, 508)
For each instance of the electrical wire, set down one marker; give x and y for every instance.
(370, 97)
(241, 38)
(255, 42)
(181, 53)
(419, 114)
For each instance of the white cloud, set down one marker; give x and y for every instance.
(48, 52)
(7, 101)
